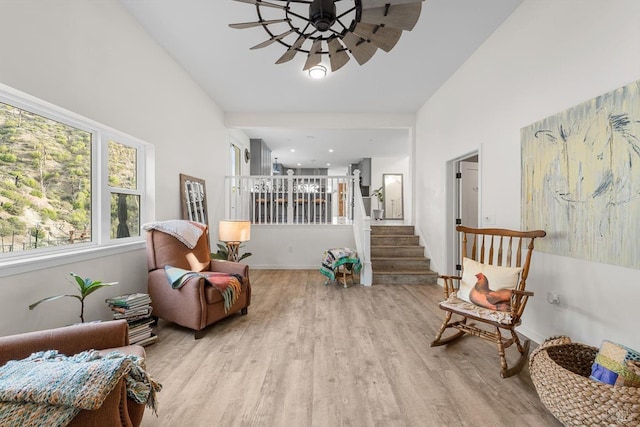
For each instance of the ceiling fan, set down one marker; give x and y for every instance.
(333, 27)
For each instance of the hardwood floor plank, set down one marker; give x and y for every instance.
(310, 354)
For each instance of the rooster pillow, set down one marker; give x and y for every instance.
(487, 285)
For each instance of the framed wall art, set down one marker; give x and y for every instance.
(581, 179)
(193, 197)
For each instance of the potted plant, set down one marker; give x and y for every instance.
(378, 213)
(85, 285)
(223, 253)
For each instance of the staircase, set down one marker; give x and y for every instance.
(397, 258)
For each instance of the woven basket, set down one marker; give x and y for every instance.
(560, 373)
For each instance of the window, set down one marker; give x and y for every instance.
(45, 191)
(66, 182)
(124, 191)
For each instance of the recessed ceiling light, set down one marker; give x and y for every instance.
(318, 72)
(299, 164)
(293, 150)
(331, 150)
(328, 164)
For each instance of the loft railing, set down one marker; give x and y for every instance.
(303, 200)
(291, 199)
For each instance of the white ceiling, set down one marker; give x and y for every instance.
(197, 35)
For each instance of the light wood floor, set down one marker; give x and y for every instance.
(314, 355)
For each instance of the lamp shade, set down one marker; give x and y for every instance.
(234, 231)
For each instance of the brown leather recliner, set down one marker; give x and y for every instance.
(196, 304)
(117, 409)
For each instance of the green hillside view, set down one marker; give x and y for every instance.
(45, 182)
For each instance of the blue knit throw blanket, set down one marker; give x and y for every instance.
(49, 389)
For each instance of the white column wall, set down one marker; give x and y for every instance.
(548, 56)
(382, 165)
(287, 247)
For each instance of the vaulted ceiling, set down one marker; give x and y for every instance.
(197, 35)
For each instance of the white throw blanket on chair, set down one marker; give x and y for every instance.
(185, 231)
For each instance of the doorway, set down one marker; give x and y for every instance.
(463, 186)
(235, 169)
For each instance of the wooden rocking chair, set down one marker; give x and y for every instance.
(491, 290)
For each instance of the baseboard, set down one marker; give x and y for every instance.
(532, 335)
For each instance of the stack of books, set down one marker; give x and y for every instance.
(136, 310)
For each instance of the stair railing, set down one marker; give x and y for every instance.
(362, 232)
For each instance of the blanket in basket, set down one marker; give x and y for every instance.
(229, 285)
(48, 388)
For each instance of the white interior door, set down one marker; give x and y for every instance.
(235, 169)
(469, 193)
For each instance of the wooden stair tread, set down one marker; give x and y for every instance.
(409, 272)
(391, 248)
(401, 260)
(394, 246)
(393, 235)
(399, 248)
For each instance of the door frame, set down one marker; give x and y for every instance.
(453, 241)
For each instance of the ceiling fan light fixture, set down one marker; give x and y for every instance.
(322, 14)
(333, 29)
(318, 72)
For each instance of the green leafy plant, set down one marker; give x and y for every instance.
(379, 195)
(223, 253)
(85, 285)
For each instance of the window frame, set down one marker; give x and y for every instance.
(122, 139)
(101, 243)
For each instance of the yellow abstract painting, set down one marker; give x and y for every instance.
(581, 179)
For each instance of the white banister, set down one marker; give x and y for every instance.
(289, 200)
(362, 232)
(303, 200)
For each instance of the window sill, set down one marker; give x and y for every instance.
(40, 262)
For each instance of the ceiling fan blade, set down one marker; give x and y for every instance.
(291, 52)
(272, 40)
(337, 55)
(262, 3)
(402, 17)
(314, 57)
(366, 4)
(244, 25)
(361, 49)
(383, 37)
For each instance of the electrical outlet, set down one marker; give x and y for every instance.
(553, 298)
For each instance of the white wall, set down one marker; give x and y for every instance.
(92, 58)
(548, 56)
(286, 247)
(382, 165)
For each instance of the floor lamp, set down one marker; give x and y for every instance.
(233, 233)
